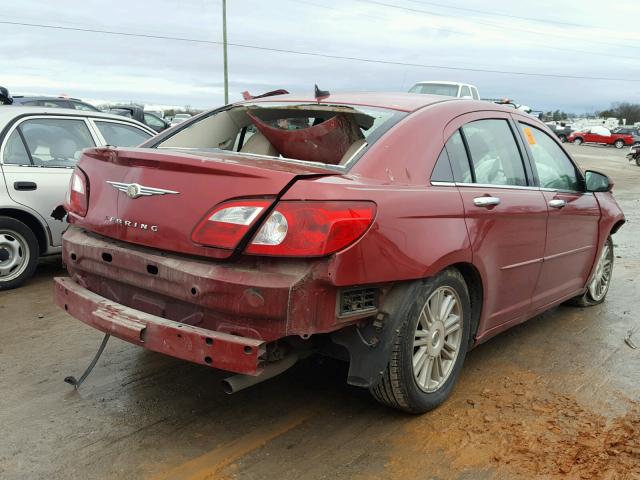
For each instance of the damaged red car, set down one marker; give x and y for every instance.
(394, 231)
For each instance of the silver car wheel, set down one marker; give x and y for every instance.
(599, 284)
(14, 255)
(437, 339)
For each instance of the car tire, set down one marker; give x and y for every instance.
(638, 161)
(404, 384)
(618, 144)
(600, 280)
(18, 253)
(578, 141)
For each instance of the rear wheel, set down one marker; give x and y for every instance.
(18, 253)
(577, 141)
(429, 348)
(598, 285)
(638, 161)
(618, 143)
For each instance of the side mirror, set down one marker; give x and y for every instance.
(597, 182)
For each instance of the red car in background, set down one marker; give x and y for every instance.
(394, 231)
(601, 135)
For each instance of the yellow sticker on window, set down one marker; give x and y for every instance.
(529, 134)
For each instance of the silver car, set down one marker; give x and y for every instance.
(38, 150)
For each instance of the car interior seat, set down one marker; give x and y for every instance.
(64, 149)
(259, 145)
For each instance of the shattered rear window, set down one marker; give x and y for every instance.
(317, 133)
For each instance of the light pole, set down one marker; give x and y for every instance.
(224, 49)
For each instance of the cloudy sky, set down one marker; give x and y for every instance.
(587, 38)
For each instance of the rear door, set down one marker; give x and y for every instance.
(572, 230)
(506, 214)
(38, 156)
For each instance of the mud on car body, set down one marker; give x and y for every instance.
(395, 231)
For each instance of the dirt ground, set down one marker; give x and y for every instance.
(556, 397)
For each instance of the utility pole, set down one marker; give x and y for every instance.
(224, 47)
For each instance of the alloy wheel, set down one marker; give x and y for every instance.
(437, 339)
(599, 284)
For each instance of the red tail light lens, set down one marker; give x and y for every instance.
(312, 228)
(228, 222)
(78, 193)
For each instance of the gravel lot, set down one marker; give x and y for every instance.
(556, 397)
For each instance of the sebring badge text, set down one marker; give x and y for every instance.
(131, 224)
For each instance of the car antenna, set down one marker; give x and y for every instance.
(321, 94)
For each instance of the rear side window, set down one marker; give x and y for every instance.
(458, 157)
(474, 93)
(494, 153)
(56, 142)
(120, 135)
(15, 152)
(554, 169)
(465, 92)
(442, 171)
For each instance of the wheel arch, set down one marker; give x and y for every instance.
(30, 221)
(369, 345)
(617, 226)
(474, 282)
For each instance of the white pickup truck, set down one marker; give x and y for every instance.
(449, 89)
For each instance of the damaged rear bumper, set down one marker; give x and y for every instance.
(206, 347)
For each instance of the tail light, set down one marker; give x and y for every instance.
(292, 229)
(312, 228)
(78, 193)
(228, 223)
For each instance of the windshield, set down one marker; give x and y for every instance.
(436, 89)
(319, 133)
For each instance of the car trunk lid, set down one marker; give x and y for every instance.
(156, 198)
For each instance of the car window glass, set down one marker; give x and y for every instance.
(15, 152)
(31, 103)
(55, 104)
(474, 93)
(465, 92)
(442, 171)
(56, 142)
(152, 121)
(120, 135)
(555, 170)
(494, 153)
(83, 106)
(458, 159)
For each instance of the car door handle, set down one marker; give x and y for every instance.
(557, 203)
(486, 201)
(25, 185)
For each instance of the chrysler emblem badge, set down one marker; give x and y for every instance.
(135, 190)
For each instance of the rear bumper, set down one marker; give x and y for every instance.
(206, 347)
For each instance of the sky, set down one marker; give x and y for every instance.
(551, 39)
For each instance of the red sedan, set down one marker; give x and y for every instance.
(602, 136)
(394, 231)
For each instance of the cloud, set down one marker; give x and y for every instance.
(179, 73)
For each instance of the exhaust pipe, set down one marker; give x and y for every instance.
(240, 382)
